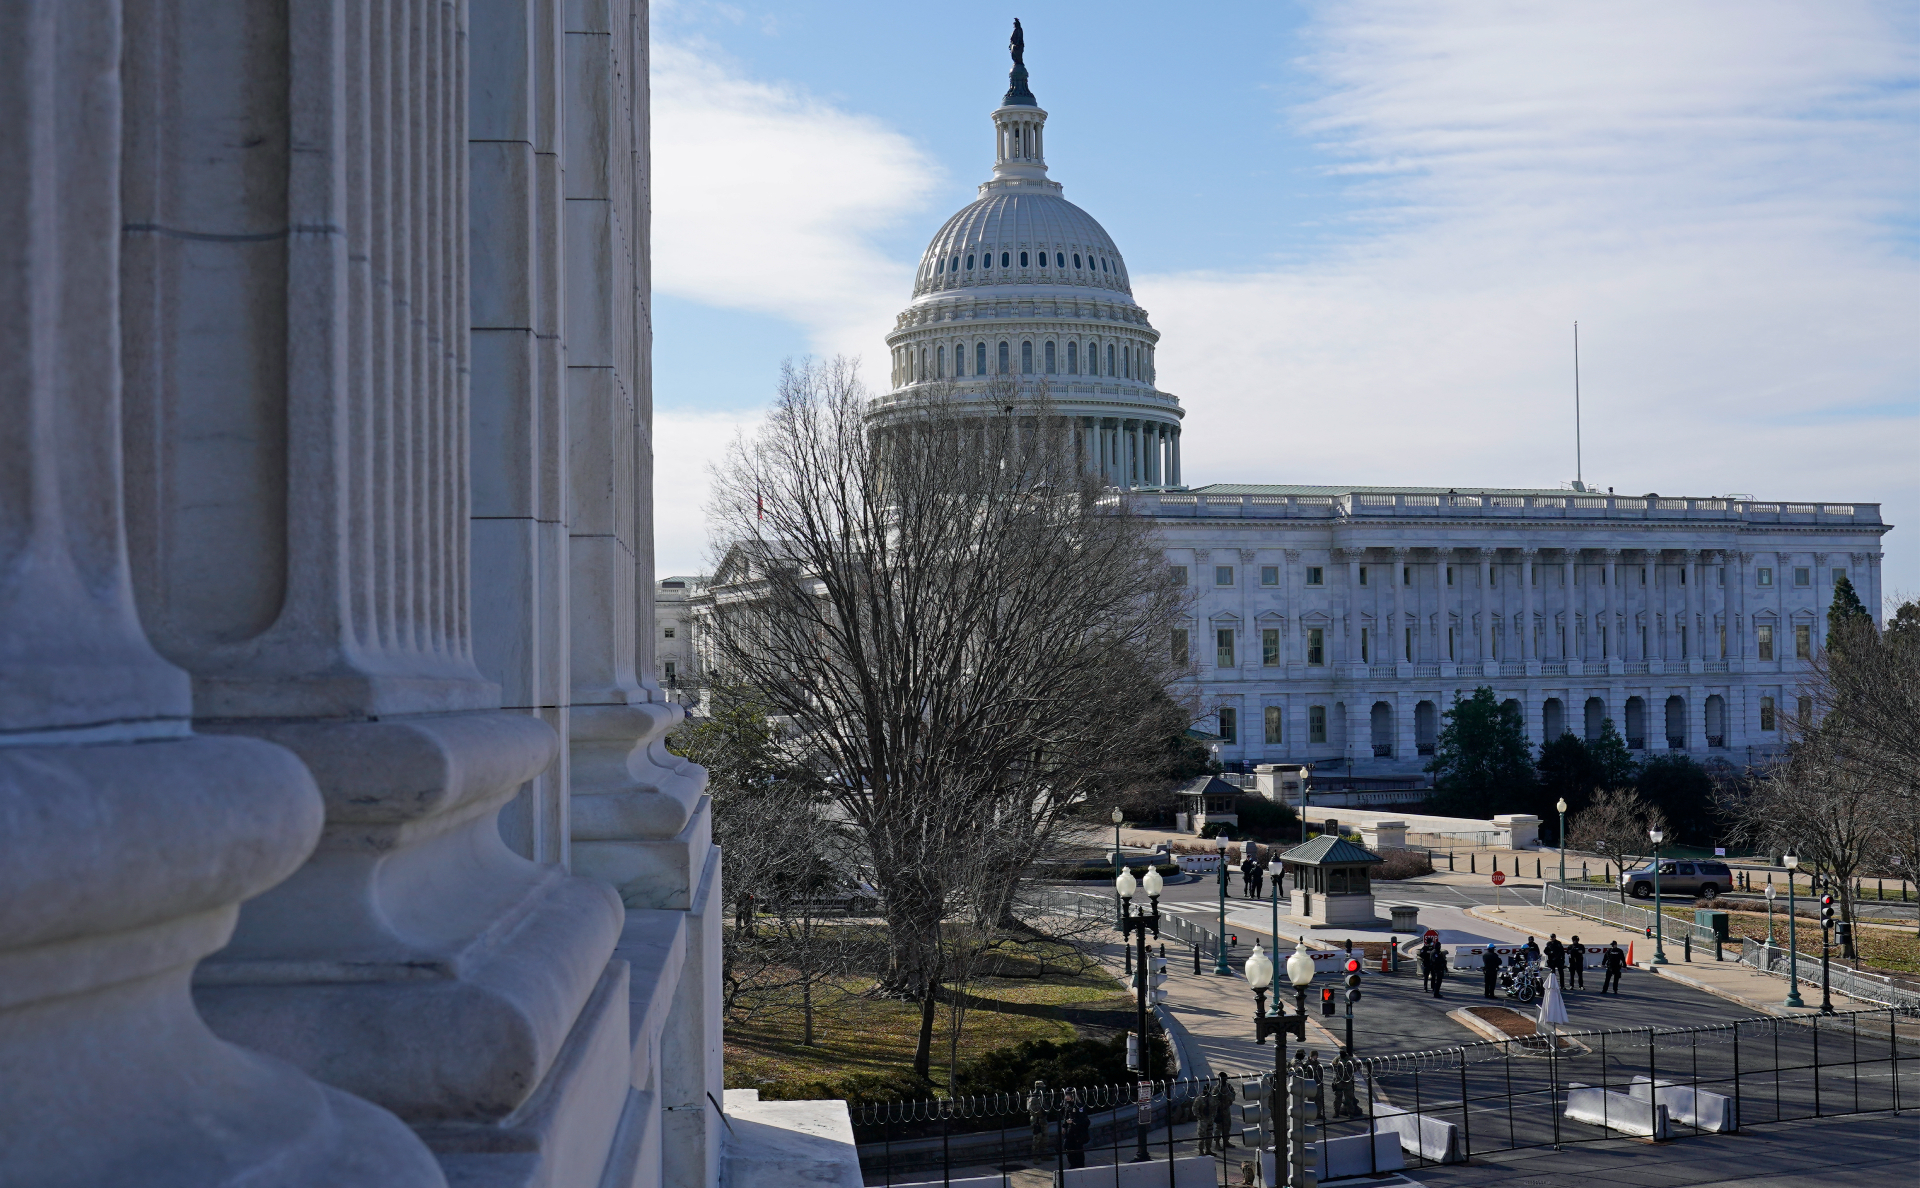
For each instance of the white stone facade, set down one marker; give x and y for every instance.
(1344, 620)
(337, 841)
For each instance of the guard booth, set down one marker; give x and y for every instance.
(1332, 880)
(1211, 799)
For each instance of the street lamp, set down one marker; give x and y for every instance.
(1118, 817)
(1770, 895)
(1560, 806)
(1220, 967)
(1791, 861)
(1134, 925)
(1659, 951)
(1260, 975)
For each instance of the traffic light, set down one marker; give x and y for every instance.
(1843, 934)
(1826, 911)
(1326, 1001)
(1353, 981)
(1157, 970)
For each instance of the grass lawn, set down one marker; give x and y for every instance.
(1879, 948)
(855, 1034)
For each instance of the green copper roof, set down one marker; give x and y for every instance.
(1328, 850)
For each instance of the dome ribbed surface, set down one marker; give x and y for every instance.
(1013, 223)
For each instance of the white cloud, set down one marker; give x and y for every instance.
(1708, 188)
(685, 443)
(765, 199)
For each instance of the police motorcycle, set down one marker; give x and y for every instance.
(1521, 980)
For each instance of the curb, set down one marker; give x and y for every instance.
(1667, 971)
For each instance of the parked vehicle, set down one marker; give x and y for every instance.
(1523, 984)
(1703, 880)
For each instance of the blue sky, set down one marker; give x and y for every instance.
(1364, 229)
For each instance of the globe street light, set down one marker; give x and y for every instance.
(1259, 972)
(1791, 861)
(1118, 817)
(1659, 951)
(1220, 967)
(1560, 806)
(1770, 894)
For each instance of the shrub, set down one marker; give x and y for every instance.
(1265, 818)
(1080, 1062)
(855, 1088)
(1403, 864)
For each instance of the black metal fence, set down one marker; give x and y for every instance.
(1439, 1106)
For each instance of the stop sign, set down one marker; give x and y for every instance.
(1432, 934)
(1499, 877)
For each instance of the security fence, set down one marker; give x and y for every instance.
(1854, 983)
(1608, 910)
(1413, 1109)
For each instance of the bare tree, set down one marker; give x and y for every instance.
(1829, 811)
(1615, 824)
(965, 626)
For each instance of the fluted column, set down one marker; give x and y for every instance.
(1486, 604)
(298, 363)
(127, 841)
(1177, 480)
(1612, 603)
(1822, 599)
(1352, 626)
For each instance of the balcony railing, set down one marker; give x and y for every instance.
(1676, 742)
(1383, 750)
(1636, 744)
(1717, 740)
(1498, 507)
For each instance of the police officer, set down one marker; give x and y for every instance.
(1577, 963)
(1439, 967)
(1557, 956)
(1490, 969)
(1075, 1129)
(1612, 961)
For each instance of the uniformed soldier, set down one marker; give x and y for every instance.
(1037, 1119)
(1345, 1103)
(1203, 1114)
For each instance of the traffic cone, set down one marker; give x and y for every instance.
(1629, 952)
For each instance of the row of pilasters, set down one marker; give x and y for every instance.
(1689, 634)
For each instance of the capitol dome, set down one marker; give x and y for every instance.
(1022, 286)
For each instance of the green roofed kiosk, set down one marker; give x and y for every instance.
(1331, 881)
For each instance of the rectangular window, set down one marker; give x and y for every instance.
(1270, 646)
(1802, 575)
(1765, 577)
(1316, 723)
(1363, 645)
(1449, 575)
(670, 671)
(1643, 644)
(1450, 655)
(1409, 656)
(667, 633)
(1223, 575)
(1838, 574)
(1316, 576)
(1683, 643)
(1534, 570)
(1223, 648)
(1363, 575)
(1406, 575)
(1723, 641)
(1180, 646)
(1316, 645)
(1803, 709)
(1766, 713)
(1765, 633)
(1179, 574)
(1720, 575)
(1274, 715)
(1229, 725)
(1269, 575)
(1493, 575)
(1683, 575)
(1643, 575)
(1802, 641)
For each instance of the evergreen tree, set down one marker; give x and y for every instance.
(1481, 762)
(1847, 614)
(1567, 771)
(1610, 755)
(1684, 791)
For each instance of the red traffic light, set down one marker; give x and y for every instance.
(1353, 965)
(1826, 901)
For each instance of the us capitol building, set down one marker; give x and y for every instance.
(1332, 625)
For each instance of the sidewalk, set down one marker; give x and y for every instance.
(1760, 992)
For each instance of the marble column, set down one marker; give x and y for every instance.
(1568, 625)
(1397, 636)
(1353, 558)
(1177, 480)
(127, 840)
(1822, 600)
(1486, 604)
(1612, 604)
(1290, 610)
(1529, 650)
(1687, 645)
(297, 362)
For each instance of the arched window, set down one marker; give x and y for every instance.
(1050, 359)
(979, 358)
(940, 363)
(1126, 363)
(1003, 359)
(1076, 259)
(954, 265)
(1023, 259)
(939, 266)
(923, 362)
(1059, 259)
(1026, 358)
(1003, 260)
(1073, 358)
(1103, 263)
(1109, 358)
(969, 261)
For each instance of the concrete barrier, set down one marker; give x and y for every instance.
(1617, 1111)
(1715, 1113)
(1433, 1139)
(1192, 1171)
